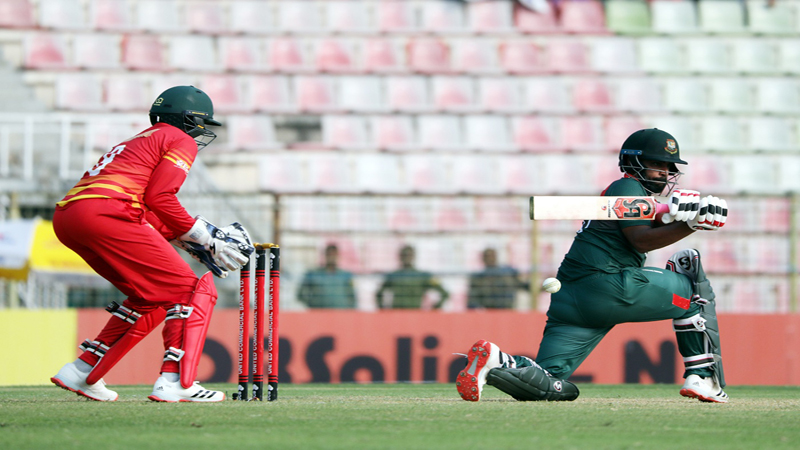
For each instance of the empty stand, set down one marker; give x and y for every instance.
(127, 93)
(490, 17)
(708, 55)
(251, 132)
(614, 55)
(379, 173)
(289, 54)
(299, 17)
(428, 55)
(500, 94)
(347, 17)
(79, 92)
(593, 95)
(789, 56)
(440, 132)
(241, 54)
(731, 95)
(487, 133)
(537, 133)
(159, 16)
(383, 55)
(192, 53)
(143, 52)
(395, 16)
(479, 56)
(476, 174)
(673, 16)
(618, 128)
(771, 134)
(568, 56)
(361, 94)
(337, 55)
(315, 93)
(96, 51)
(393, 132)
(408, 93)
(442, 16)
(427, 173)
(721, 16)
(628, 16)
(583, 16)
(723, 133)
(548, 94)
(639, 95)
(583, 133)
(754, 57)
(456, 94)
(535, 22)
(251, 17)
(62, 14)
(227, 93)
(345, 132)
(777, 95)
(771, 19)
(660, 55)
(683, 95)
(110, 15)
(523, 57)
(272, 93)
(45, 51)
(206, 17)
(17, 14)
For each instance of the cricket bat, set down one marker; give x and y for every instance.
(595, 208)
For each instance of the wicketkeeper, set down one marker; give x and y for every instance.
(120, 218)
(604, 283)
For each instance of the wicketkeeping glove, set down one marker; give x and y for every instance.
(229, 252)
(712, 214)
(683, 206)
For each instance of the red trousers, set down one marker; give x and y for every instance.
(118, 243)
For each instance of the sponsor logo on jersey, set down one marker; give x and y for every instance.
(180, 164)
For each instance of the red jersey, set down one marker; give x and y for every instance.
(146, 171)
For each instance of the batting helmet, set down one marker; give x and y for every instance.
(651, 144)
(187, 108)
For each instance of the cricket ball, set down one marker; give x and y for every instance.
(551, 285)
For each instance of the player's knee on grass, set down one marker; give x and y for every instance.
(532, 383)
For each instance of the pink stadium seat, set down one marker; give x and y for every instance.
(618, 128)
(335, 55)
(127, 93)
(522, 57)
(487, 133)
(583, 16)
(159, 16)
(17, 14)
(298, 17)
(535, 22)
(500, 94)
(548, 94)
(383, 55)
(425, 173)
(227, 93)
(241, 54)
(638, 95)
(110, 15)
(403, 214)
(79, 92)
(475, 56)
(428, 55)
(96, 51)
(206, 17)
(452, 214)
(250, 17)
(393, 132)
(345, 132)
(361, 94)
(62, 14)
(583, 133)
(251, 132)
(407, 93)
(45, 51)
(395, 15)
(287, 54)
(453, 93)
(568, 56)
(315, 93)
(490, 17)
(272, 94)
(519, 174)
(329, 172)
(143, 52)
(537, 133)
(442, 16)
(592, 95)
(286, 173)
(439, 132)
(192, 53)
(346, 16)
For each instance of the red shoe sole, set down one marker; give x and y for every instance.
(692, 394)
(467, 379)
(60, 384)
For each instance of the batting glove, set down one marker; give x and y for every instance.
(711, 216)
(683, 206)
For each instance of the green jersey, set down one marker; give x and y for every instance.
(600, 246)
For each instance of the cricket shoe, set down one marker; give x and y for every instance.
(72, 379)
(704, 389)
(165, 391)
(482, 357)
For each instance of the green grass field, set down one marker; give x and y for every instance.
(405, 416)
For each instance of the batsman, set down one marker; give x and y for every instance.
(123, 218)
(605, 283)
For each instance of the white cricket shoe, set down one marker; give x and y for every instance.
(165, 391)
(482, 357)
(72, 379)
(704, 389)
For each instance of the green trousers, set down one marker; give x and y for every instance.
(582, 312)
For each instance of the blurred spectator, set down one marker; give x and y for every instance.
(328, 286)
(409, 285)
(495, 286)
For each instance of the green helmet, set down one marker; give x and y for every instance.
(188, 109)
(651, 144)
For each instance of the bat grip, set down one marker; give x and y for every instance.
(661, 209)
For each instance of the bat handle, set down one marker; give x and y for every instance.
(661, 209)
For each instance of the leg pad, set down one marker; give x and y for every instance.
(532, 384)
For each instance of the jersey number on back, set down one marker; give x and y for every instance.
(107, 158)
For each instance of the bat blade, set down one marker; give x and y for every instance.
(544, 207)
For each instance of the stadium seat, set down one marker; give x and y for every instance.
(45, 51)
(383, 55)
(241, 54)
(393, 132)
(315, 93)
(159, 16)
(519, 174)
(537, 133)
(535, 22)
(379, 173)
(731, 95)
(286, 171)
(361, 94)
(706, 55)
(347, 16)
(192, 53)
(639, 94)
(522, 57)
(583, 133)
(110, 15)
(288, 54)
(721, 16)
(778, 18)
(660, 55)
(673, 16)
(17, 14)
(227, 93)
(428, 55)
(298, 17)
(583, 16)
(629, 17)
(614, 55)
(560, 168)
(705, 173)
(442, 16)
(427, 173)
(548, 94)
(618, 128)
(771, 134)
(335, 55)
(96, 51)
(788, 181)
(329, 172)
(206, 17)
(754, 175)
(251, 132)
(62, 14)
(272, 93)
(405, 214)
(486, 132)
(683, 95)
(592, 95)
(722, 133)
(568, 56)
(79, 92)
(127, 93)
(251, 17)
(754, 57)
(789, 56)
(477, 174)
(679, 126)
(500, 94)
(490, 17)
(143, 52)
(455, 94)
(408, 93)
(395, 16)
(440, 132)
(477, 56)
(777, 95)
